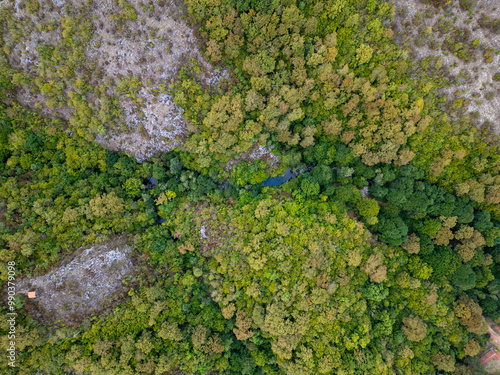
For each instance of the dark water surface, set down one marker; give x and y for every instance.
(276, 181)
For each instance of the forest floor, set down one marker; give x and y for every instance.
(87, 283)
(455, 45)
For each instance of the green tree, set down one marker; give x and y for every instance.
(133, 187)
(464, 278)
(322, 174)
(367, 207)
(309, 187)
(414, 328)
(393, 230)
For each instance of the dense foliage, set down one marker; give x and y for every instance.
(382, 256)
(302, 82)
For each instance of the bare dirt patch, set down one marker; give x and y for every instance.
(466, 51)
(85, 285)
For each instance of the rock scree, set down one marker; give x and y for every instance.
(87, 284)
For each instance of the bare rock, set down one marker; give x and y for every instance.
(84, 286)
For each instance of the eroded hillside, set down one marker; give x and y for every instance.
(105, 67)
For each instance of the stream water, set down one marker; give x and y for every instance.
(276, 181)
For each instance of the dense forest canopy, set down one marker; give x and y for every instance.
(381, 257)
